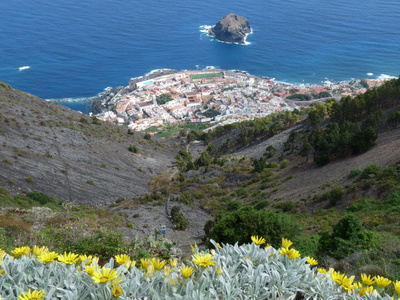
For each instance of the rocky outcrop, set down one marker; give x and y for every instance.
(231, 29)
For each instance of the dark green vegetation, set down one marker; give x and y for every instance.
(163, 98)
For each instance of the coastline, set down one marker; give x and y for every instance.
(109, 92)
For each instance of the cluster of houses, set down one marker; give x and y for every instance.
(231, 95)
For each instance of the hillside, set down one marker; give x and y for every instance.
(51, 149)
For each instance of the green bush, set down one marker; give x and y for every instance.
(262, 204)
(370, 170)
(234, 205)
(354, 173)
(133, 149)
(242, 192)
(361, 205)
(40, 197)
(180, 220)
(240, 225)
(334, 195)
(394, 198)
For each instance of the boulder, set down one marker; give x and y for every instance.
(231, 29)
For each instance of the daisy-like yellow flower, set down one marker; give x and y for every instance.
(68, 258)
(150, 271)
(88, 259)
(194, 248)
(48, 257)
(172, 282)
(364, 291)
(203, 260)
(121, 259)
(104, 275)
(336, 276)
(258, 240)
(286, 243)
(90, 269)
(39, 251)
(167, 271)
(321, 270)
(218, 270)
(311, 261)
(157, 264)
(145, 263)
(129, 264)
(18, 252)
(291, 253)
(347, 283)
(173, 262)
(382, 281)
(397, 287)
(187, 272)
(2, 254)
(367, 280)
(117, 290)
(35, 295)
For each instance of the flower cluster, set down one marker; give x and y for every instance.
(229, 271)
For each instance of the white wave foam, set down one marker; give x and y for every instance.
(107, 89)
(24, 68)
(385, 77)
(370, 74)
(156, 71)
(205, 28)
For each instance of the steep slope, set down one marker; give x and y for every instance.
(62, 153)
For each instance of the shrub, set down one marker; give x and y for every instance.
(29, 179)
(394, 198)
(90, 181)
(370, 170)
(180, 220)
(354, 173)
(283, 164)
(234, 205)
(242, 192)
(40, 197)
(240, 225)
(147, 136)
(334, 195)
(262, 204)
(133, 149)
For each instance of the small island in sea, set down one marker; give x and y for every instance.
(231, 29)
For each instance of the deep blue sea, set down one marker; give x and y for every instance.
(77, 48)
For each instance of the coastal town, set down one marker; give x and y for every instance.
(214, 97)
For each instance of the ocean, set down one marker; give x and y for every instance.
(74, 49)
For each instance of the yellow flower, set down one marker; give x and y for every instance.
(48, 257)
(150, 270)
(117, 290)
(121, 259)
(397, 287)
(267, 247)
(321, 270)
(347, 283)
(187, 271)
(179, 279)
(311, 261)
(173, 262)
(364, 291)
(104, 275)
(2, 254)
(367, 280)
(2, 272)
(21, 251)
(286, 243)
(291, 253)
(167, 271)
(219, 246)
(88, 259)
(38, 251)
(218, 270)
(90, 269)
(69, 258)
(35, 295)
(382, 281)
(203, 260)
(194, 248)
(157, 264)
(145, 263)
(129, 264)
(257, 240)
(336, 276)
(172, 282)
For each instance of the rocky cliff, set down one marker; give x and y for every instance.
(231, 29)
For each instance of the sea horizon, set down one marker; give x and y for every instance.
(58, 50)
